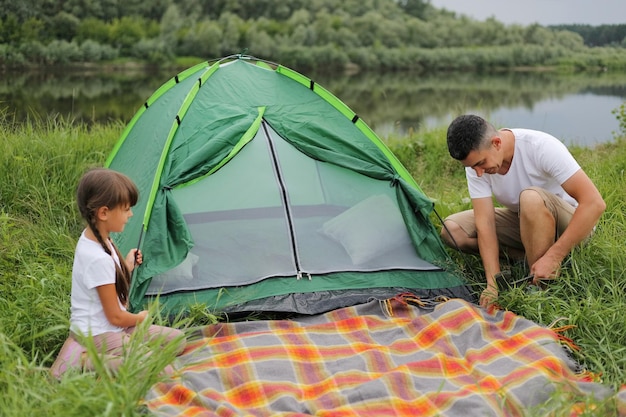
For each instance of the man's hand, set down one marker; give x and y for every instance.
(488, 296)
(546, 267)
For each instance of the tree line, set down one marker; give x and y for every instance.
(601, 35)
(303, 34)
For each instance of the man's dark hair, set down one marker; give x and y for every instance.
(465, 134)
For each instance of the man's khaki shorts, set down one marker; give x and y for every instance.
(507, 221)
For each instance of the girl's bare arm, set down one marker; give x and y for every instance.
(112, 310)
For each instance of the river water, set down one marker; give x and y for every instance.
(577, 108)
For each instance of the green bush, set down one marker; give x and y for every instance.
(63, 52)
(620, 115)
(93, 29)
(34, 52)
(124, 33)
(93, 51)
(203, 39)
(63, 26)
(11, 56)
(152, 50)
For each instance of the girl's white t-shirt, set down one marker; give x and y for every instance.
(539, 160)
(92, 268)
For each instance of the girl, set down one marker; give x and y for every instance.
(101, 276)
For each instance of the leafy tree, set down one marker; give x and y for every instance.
(324, 28)
(34, 51)
(93, 51)
(152, 50)
(299, 17)
(32, 29)
(10, 56)
(192, 9)
(231, 25)
(260, 44)
(506, 35)
(212, 9)
(63, 26)
(569, 40)
(601, 35)
(363, 57)
(303, 35)
(420, 34)
(62, 52)
(20, 10)
(394, 34)
(416, 8)
(537, 34)
(126, 32)
(347, 39)
(149, 10)
(328, 58)
(93, 29)
(203, 40)
(171, 22)
(106, 10)
(369, 27)
(10, 30)
(272, 27)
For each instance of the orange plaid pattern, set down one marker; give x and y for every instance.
(453, 359)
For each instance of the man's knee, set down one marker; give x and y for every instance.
(530, 196)
(531, 202)
(453, 235)
(445, 233)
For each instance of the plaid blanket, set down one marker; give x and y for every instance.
(399, 357)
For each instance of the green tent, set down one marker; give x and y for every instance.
(261, 191)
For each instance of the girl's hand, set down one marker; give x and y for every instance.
(142, 315)
(134, 257)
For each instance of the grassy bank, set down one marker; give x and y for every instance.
(40, 164)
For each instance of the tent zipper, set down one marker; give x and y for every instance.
(285, 200)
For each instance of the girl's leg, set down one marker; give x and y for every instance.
(71, 355)
(167, 335)
(164, 336)
(111, 344)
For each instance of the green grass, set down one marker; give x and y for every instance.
(40, 164)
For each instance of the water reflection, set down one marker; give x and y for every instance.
(579, 119)
(576, 108)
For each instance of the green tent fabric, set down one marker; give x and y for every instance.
(260, 190)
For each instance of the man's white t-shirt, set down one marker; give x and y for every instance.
(539, 160)
(92, 268)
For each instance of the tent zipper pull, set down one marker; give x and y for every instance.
(300, 274)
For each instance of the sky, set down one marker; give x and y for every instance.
(544, 12)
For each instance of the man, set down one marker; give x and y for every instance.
(549, 205)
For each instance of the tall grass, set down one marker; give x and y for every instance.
(40, 164)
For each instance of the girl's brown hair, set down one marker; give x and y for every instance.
(102, 187)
